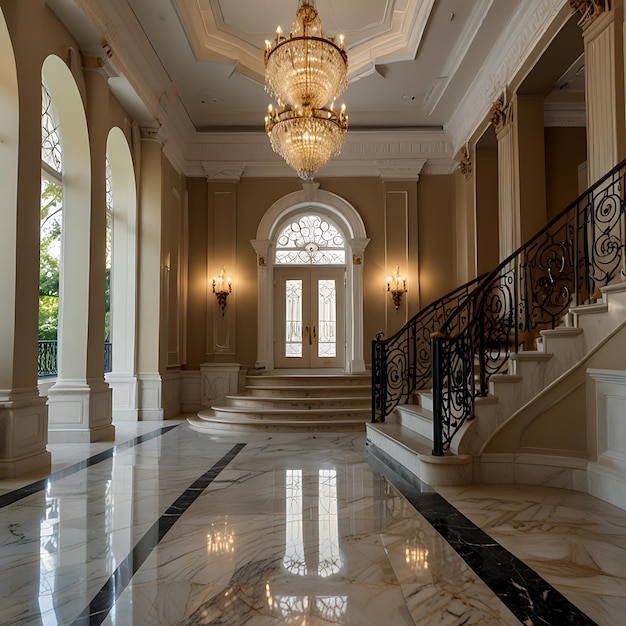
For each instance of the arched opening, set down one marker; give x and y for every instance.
(123, 277)
(68, 399)
(9, 124)
(334, 212)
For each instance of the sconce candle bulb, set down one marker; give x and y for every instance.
(396, 286)
(222, 286)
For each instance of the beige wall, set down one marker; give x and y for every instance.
(427, 242)
(436, 201)
(566, 149)
(487, 229)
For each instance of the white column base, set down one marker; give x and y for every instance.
(23, 433)
(150, 397)
(357, 366)
(79, 412)
(124, 390)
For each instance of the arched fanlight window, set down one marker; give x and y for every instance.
(51, 153)
(310, 240)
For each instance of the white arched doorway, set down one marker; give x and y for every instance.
(339, 212)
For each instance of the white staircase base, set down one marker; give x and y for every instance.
(288, 402)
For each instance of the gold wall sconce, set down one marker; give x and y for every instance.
(222, 287)
(396, 286)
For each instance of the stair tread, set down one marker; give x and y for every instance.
(583, 309)
(278, 411)
(404, 436)
(313, 387)
(250, 420)
(417, 410)
(614, 288)
(561, 331)
(301, 399)
(531, 355)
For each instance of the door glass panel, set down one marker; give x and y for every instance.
(327, 318)
(293, 318)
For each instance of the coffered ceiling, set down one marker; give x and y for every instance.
(195, 68)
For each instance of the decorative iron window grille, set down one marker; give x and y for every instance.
(310, 240)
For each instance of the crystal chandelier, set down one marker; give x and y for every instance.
(305, 72)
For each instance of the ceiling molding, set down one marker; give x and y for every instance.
(477, 17)
(394, 36)
(565, 114)
(365, 153)
(514, 46)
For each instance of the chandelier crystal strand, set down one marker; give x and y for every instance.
(304, 72)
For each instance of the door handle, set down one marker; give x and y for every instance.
(313, 332)
(308, 332)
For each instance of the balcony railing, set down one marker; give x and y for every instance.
(48, 353)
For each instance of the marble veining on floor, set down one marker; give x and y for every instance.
(185, 528)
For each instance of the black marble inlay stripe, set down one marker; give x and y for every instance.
(28, 490)
(104, 600)
(526, 594)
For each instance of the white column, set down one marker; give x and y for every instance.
(151, 306)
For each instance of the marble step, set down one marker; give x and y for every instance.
(308, 379)
(302, 403)
(309, 391)
(206, 421)
(417, 419)
(275, 414)
(413, 452)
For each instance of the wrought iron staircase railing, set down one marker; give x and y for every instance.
(401, 364)
(564, 264)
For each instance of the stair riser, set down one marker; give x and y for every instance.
(300, 381)
(325, 392)
(417, 423)
(312, 415)
(426, 400)
(287, 428)
(300, 404)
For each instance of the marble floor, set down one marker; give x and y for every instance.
(170, 526)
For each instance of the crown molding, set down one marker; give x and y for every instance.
(565, 114)
(517, 42)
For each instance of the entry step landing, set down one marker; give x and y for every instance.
(298, 401)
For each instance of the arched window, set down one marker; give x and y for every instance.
(108, 359)
(50, 233)
(310, 240)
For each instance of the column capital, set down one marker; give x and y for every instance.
(589, 10)
(500, 114)
(466, 163)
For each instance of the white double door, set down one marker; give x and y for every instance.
(309, 308)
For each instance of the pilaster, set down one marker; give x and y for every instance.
(501, 116)
(602, 31)
(151, 305)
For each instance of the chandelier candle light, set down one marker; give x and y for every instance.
(306, 71)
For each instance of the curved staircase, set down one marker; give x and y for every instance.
(293, 402)
(524, 327)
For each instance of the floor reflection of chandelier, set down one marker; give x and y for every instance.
(306, 71)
